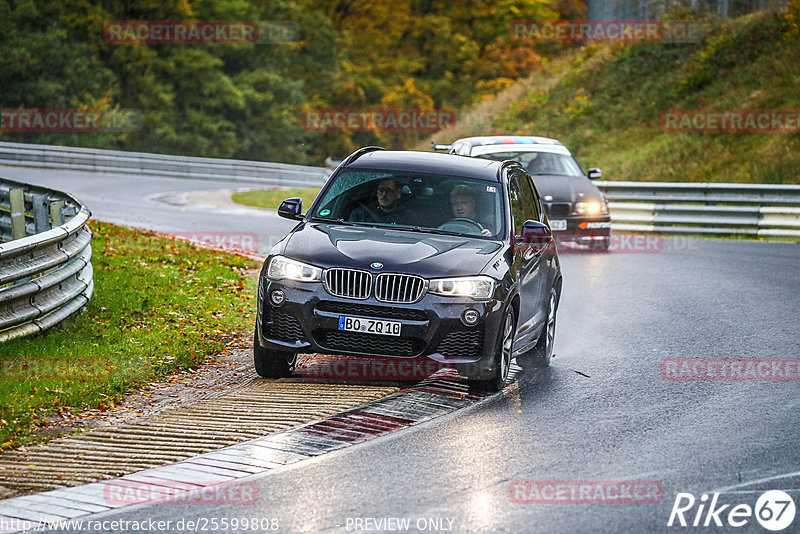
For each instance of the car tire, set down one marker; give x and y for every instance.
(541, 354)
(503, 350)
(272, 363)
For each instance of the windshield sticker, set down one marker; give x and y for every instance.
(491, 189)
(324, 212)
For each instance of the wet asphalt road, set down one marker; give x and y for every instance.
(601, 411)
(620, 315)
(155, 203)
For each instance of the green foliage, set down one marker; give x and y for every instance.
(606, 104)
(735, 43)
(246, 100)
(272, 198)
(793, 19)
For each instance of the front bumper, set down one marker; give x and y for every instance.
(308, 322)
(584, 229)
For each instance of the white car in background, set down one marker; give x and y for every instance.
(577, 209)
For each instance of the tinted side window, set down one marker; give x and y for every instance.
(516, 198)
(530, 200)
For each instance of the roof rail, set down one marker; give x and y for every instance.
(358, 153)
(511, 163)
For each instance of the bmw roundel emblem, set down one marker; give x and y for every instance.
(376, 265)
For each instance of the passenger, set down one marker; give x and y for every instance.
(388, 209)
(463, 201)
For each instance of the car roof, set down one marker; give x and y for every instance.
(480, 150)
(508, 140)
(428, 162)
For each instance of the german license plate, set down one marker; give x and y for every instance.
(369, 326)
(558, 224)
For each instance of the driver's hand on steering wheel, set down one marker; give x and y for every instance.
(486, 231)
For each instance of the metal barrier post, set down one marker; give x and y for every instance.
(55, 213)
(16, 201)
(41, 215)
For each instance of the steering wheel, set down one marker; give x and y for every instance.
(461, 225)
(370, 212)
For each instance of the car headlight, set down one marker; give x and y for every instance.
(477, 287)
(590, 208)
(281, 267)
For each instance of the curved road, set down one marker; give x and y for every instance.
(601, 412)
(157, 204)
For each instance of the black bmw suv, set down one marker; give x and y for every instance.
(413, 254)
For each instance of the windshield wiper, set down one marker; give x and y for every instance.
(432, 230)
(337, 221)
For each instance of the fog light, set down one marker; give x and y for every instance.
(277, 297)
(470, 317)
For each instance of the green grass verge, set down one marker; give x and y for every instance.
(272, 198)
(159, 305)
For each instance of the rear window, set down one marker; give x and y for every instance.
(539, 162)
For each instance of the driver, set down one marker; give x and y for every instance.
(463, 201)
(388, 208)
(543, 164)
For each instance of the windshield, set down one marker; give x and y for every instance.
(540, 162)
(420, 202)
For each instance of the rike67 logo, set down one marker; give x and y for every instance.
(774, 510)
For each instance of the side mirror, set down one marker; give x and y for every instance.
(594, 173)
(291, 208)
(535, 237)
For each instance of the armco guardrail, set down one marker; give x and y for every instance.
(140, 163)
(757, 210)
(45, 262)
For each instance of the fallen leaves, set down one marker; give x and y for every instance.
(159, 305)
